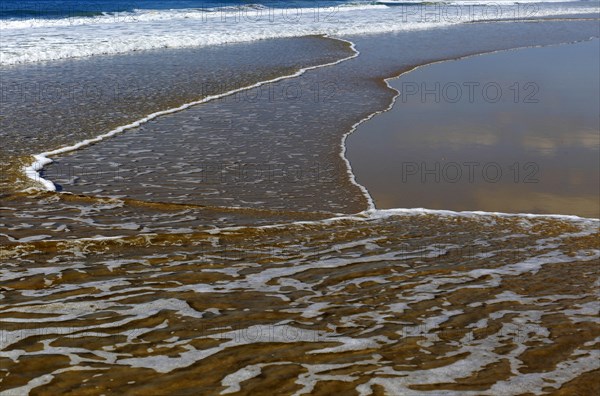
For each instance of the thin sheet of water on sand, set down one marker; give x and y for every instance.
(278, 147)
(516, 131)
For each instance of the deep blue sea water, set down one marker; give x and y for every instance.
(25, 9)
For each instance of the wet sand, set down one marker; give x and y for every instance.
(514, 131)
(397, 303)
(146, 286)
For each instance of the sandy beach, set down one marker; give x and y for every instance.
(265, 199)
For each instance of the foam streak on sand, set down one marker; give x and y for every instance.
(383, 312)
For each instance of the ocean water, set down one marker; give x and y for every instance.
(46, 9)
(178, 215)
(34, 39)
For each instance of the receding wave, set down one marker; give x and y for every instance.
(35, 40)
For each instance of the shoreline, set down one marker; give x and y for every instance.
(318, 219)
(33, 171)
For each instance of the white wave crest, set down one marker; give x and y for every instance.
(44, 40)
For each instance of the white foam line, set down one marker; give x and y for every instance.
(373, 214)
(366, 215)
(479, 213)
(363, 189)
(42, 159)
(150, 15)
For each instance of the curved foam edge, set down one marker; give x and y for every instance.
(34, 170)
(363, 189)
(590, 225)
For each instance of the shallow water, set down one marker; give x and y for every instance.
(78, 100)
(398, 302)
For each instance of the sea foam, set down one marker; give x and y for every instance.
(35, 40)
